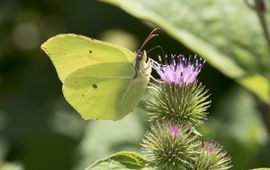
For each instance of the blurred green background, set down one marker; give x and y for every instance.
(40, 131)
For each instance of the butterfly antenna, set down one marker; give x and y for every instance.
(150, 36)
(158, 46)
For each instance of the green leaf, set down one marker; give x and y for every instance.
(261, 169)
(225, 32)
(10, 166)
(121, 160)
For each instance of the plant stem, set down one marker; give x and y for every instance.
(261, 10)
(260, 7)
(264, 110)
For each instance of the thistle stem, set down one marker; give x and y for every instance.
(264, 110)
(260, 8)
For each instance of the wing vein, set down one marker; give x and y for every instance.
(106, 77)
(125, 94)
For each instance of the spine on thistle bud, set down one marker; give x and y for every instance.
(184, 104)
(212, 156)
(170, 146)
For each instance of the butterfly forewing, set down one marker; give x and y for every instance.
(69, 52)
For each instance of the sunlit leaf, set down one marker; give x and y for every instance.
(121, 160)
(11, 166)
(225, 32)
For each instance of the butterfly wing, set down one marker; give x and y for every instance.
(104, 91)
(69, 52)
(99, 79)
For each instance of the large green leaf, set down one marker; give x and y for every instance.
(121, 160)
(225, 32)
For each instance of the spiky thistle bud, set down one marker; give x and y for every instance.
(178, 97)
(212, 157)
(170, 146)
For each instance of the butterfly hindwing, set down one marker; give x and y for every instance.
(103, 91)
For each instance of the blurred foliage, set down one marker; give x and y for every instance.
(39, 130)
(237, 125)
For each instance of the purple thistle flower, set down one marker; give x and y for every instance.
(210, 147)
(180, 70)
(174, 131)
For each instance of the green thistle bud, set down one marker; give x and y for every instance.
(180, 103)
(212, 157)
(170, 146)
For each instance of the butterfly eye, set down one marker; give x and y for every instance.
(139, 56)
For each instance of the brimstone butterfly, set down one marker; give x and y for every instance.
(100, 80)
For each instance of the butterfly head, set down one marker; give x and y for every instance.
(142, 67)
(140, 56)
(140, 61)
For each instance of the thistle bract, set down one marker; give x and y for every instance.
(170, 146)
(183, 104)
(212, 156)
